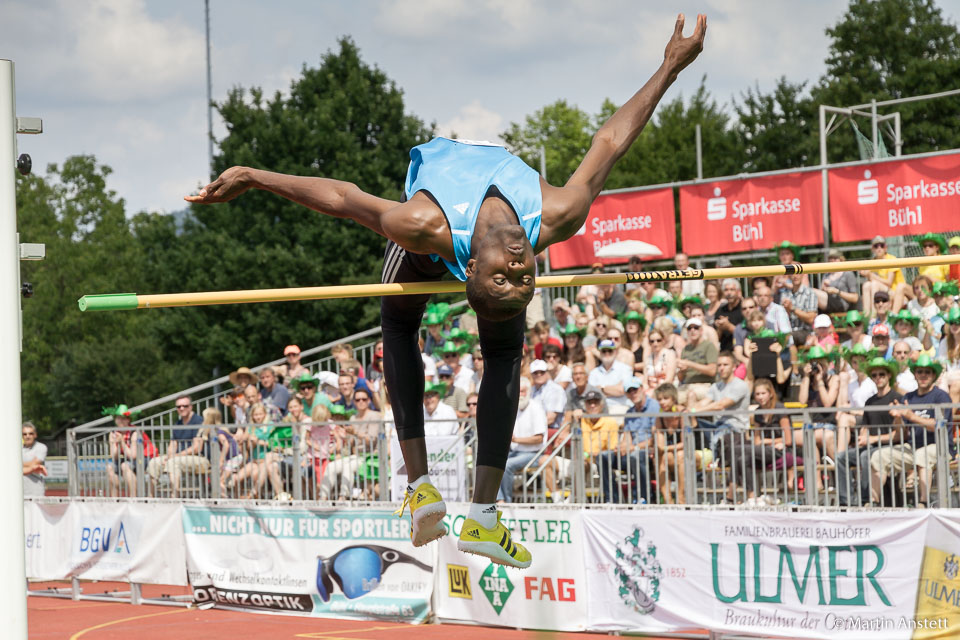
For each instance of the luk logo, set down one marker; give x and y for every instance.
(458, 578)
(564, 589)
(496, 586)
(103, 539)
(638, 572)
(868, 191)
(716, 206)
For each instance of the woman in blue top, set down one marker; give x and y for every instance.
(473, 210)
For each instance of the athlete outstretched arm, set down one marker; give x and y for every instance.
(565, 208)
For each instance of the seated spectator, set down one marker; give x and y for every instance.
(556, 370)
(34, 454)
(690, 287)
(477, 368)
(880, 339)
(375, 368)
(634, 324)
(346, 384)
(184, 450)
(823, 334)
(542, 337)
(610, 377)
(587, 294)
(292, 367)
(709, 333)
(305, 386)
(561, 316)
(875, 431)
(272, 393)
(838, 292)
(441, 419)
(435, 336)
(855, 324)
(902, 352)
(855, 388)
(752, 346)
(529, 434)
(728, 314)
(671, 334)
(768, 446)
(263, 461)
(787, 253)
(728, 393)
(577, 391)
(949, 349)
(235, 405)
(878, 280)
(610, 301)
(633, 451)
(123, 450)
(465, 342)
(242, 377)
(697, 366)
(600, 432)
(747, 327)
(634, 264)
(675, 292)
(668, 435)
(905, 324)
(924, 307)
(651, 290)
(455, 397)
(954, 244)
(317, 445)
(881, 311)
(945, 295)
(933, 245)
(660, 364)
(711, 293)
(573, 348)
(342, 353)
(550, 395)
(776, 315)
(800, 303)
(228, 457)
(251, 395)
(462, 376)
(340, 472)
(624, 355)
(916, 451)
(819, 388)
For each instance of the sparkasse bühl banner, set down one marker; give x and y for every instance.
(730, 216)
(615, 217)
(905, 197)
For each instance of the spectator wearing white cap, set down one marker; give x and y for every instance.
(291, 368)
(823, 333)
(697, 366)
(611, 377)
(878, 279)
(548, 393)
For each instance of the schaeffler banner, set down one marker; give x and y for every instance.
(550, 594)
(905, 197)
(353, 563)
(742, 215)
(794, 575)
(641, 215)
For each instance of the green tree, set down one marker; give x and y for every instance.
(777, 130)
(343, 120)
(562, 130)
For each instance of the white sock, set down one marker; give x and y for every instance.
(484, 514)
(415, 484)
(556, 496)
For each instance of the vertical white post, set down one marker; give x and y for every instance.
(824, 186)
(874, 134)
(699, 155)
(543, 174)
(13, 587)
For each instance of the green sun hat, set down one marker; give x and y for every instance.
(449, 347)
(816, 352)
(302, 378)
(948, 288)
(789, 246)
(926, 362)
(440, 309)
(459, 334)
(952, 316)
(905, 315)
(634, 316)
(661, 301)
(881, 363)
(572, 328)
(121, 410)
(432, 319)
(853, 316)
(435, 387)
(857, 350)
(341, 411)
(934, 238)
(694, 300)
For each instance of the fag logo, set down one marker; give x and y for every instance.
(458, 578)
(716, 206)
(868, 191)
(562, 589)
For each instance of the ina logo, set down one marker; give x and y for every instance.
(951, 567)
(459, 581)
(496, 586)
(716, 206)
(639, 573)
(868, 191)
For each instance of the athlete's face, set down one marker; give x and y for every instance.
(505, 265)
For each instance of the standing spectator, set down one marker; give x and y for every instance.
(529, 434)
(292, 368)
(441, 419)
(884, 280)
(611, 376)
(272, 393)
(34, 454)
(728, 314)
(697, 366)
(184, 450)
(690, 287)
(547, 393)
(243, 377)
(800, 303)
(820, 387)
(455, 397)
(635, 447)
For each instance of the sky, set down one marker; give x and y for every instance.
(125, 80)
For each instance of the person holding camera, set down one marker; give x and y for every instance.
(819, 387)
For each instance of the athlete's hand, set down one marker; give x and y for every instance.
(681, 51)
(231, 183)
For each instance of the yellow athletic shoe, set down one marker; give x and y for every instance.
(427, 510)
(494, 544)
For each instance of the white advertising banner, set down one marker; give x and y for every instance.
(354, 563)
(550, 594)
(796, 575)
(448, 469)
(125, 541)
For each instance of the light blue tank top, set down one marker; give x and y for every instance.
(458, 174)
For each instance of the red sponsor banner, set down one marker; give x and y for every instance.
(741, 215)
(639, 215)
(900, 198)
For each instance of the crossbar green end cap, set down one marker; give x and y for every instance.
(109, 302)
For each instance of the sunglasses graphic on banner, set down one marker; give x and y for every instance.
(358, 569)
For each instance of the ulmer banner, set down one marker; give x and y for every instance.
(743, 215)
(899, 198)
(639, 215)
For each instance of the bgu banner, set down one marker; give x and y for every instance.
(642, 215)
(907, 197)
(742, 215)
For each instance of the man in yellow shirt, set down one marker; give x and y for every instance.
(599, 433)
(878, 279)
